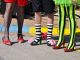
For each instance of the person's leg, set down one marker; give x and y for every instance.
(20, 20)
(50, 28)
(71, 11)
(60, 17)
(62, 22)
(7, 20)
(37, 9)
(38, 28)
(48, 7)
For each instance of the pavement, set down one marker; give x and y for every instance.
(25, 51)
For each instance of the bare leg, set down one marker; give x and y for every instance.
(37, 17)
(38, 38)
(20, 19)
(50, 19)
(7, 20)
(50, 28)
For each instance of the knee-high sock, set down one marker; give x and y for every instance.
(38, 32)
(71, 11)
(49, 34)
(62, 17)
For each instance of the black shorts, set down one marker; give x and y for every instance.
(43, 5)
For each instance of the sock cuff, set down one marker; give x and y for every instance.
(37, 24)
(50, 24)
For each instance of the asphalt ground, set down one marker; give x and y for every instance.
(25, 51)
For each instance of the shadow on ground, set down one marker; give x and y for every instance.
(67, 39)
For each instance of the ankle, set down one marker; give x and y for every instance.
(20, 35)
(6, 38)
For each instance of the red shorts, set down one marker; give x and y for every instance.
(19, 2)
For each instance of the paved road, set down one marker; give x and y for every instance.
(41, 52)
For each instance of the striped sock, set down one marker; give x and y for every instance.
(49, 34)
(38, 32)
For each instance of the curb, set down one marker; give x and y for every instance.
(14, 28)
(31, 30)
(55, 31)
